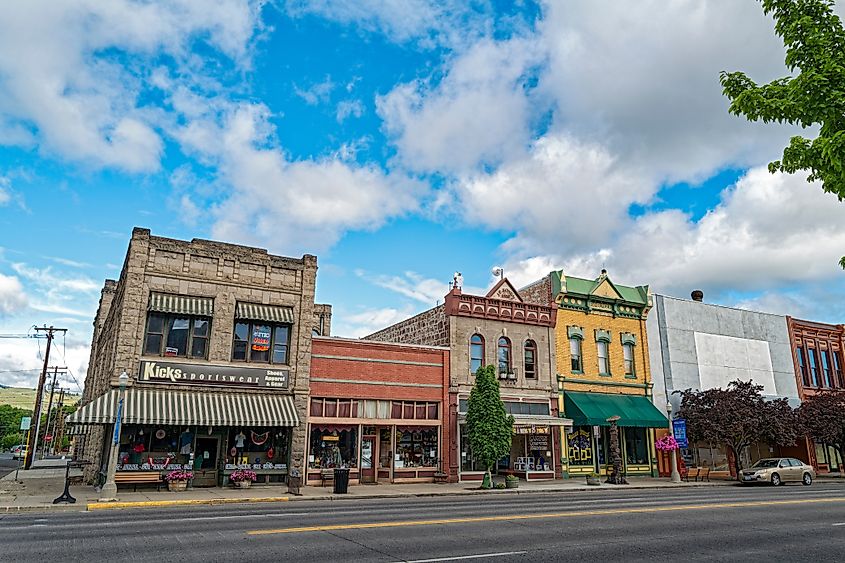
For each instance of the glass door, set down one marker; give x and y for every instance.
(368, 454)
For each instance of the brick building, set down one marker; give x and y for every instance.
(602, 369)
(377, 408)
(518, 338)
(216, 340)
(817, 357)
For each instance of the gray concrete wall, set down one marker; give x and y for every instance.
(694, 345)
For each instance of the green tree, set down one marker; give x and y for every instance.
(823, 416)
(489, 426)
(815, 47)
(10, 419)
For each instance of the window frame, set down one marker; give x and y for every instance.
(274, 328)
(802, 365)
(812, 361)
(628, 363)
(606, 357)
(504, 343)
(473, 346)
(530, 347)
(166, 326)
(572, 357)
(824, 360)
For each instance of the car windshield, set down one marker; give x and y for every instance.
(764, 463)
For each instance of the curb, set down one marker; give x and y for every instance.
(187, 502)
(44, 508)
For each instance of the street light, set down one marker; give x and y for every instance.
(109, 490)
(676, 477)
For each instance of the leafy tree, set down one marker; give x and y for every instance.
(823, 416)
(10, 419)
(737, 417)
(815, 46)
(489, 426)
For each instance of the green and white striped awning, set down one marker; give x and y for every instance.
(269, 313)
(181, 304)
(161, 406)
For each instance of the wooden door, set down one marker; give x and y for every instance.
(368, 457)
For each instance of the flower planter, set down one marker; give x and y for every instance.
(177, 486)
(512, 484)
(243, 484)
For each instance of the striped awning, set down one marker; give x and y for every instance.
(269, 313)
(161, 406)
(181, 304)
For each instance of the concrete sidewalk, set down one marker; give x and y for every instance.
(36, 489)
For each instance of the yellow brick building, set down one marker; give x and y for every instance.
(602, 370)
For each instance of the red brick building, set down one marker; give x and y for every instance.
(817, 354)
(377, 408)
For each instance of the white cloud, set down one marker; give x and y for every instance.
(410, 284)
(290, 205)
(59, 292)
(64, 87)
(349, 108)
(368, 321)
(5, 195)
(21, 362)
(13, 299)
(316, 93)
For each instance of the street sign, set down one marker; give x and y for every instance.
(679, 427)
(26, 422)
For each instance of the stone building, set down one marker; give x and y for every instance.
(817, 358)
(517, 337)
(216, 340)
(697, 345)
(602, 370)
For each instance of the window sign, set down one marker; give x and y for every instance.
(261, 338)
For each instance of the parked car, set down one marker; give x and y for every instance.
(778, 470)
(19, 451)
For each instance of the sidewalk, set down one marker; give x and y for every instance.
(37, 488)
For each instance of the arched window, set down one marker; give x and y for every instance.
(530, 359)
(476, 352)
(504, 355)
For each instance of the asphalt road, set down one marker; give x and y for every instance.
(790, 523)
(7, 464)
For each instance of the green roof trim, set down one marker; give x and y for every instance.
(582, 289)
(593, 409)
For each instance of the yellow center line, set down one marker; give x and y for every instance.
(602, 512)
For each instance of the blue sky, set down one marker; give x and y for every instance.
(399, 141)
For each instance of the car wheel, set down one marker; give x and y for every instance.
(807, 479)
(776, 479)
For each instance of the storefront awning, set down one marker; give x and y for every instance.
(269, 313)
(181, 304)
(593, 409)
(160, 406)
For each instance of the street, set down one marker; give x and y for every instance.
(727, 523)
(7, 464)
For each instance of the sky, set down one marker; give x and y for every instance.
(399, 141)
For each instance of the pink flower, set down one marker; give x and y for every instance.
(666, 444)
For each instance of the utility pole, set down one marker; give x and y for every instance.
(58, 423)
(32, 443)
(49, 412)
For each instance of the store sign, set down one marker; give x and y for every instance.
(538, 442)
(261, 338)
(532, 429)
(679, 428)
(236, 376)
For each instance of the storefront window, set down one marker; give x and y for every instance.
(261, 343)
(416, 448)
(258, 445)
(579, 444)
(636, 446)
(333, 446)
(468, 462)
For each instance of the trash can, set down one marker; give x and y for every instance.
(341, 480)
(294, 484)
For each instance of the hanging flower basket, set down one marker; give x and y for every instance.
(666, 443)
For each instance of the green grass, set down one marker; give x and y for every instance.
(25, 398)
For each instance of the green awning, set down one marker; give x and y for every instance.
(593, 409)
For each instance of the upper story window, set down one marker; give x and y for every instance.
(628, 357)
(837, 370)
(530, 359)
(814, 367)
(178, 326)
(826, 375)
(575, 354)
(802, 365)
(504, 355)
(604, 357)
(262, 334)
(177, 336)
(476, 352)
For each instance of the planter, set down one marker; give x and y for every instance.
(243, 484)
(594, 481)
(177, 486)
(512, 484)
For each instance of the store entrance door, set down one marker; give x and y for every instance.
(205, 462)
(368, 454)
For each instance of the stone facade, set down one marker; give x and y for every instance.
(227, 274)
(430, 328)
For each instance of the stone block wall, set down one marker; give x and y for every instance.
(539, 292)
(323, 319)
(429, 328)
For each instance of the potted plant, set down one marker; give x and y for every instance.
(593, 479)
(177, 480)
(243, 478)
(512, 482)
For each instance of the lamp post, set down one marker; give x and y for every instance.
(109, 490)
(676, 477)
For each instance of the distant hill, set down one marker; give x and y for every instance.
(25, 398)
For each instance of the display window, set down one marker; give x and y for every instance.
(636, 446)
(579, 445)
(468, 461)
(416, 447)
(333, 446)
(257, 445)
(144, 447)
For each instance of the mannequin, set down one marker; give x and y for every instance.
(240, 439)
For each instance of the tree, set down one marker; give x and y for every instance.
(737, 417)
(489, 426)
(815, 46)
(823, 417)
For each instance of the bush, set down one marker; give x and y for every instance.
(511, 478)
(10, 440)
